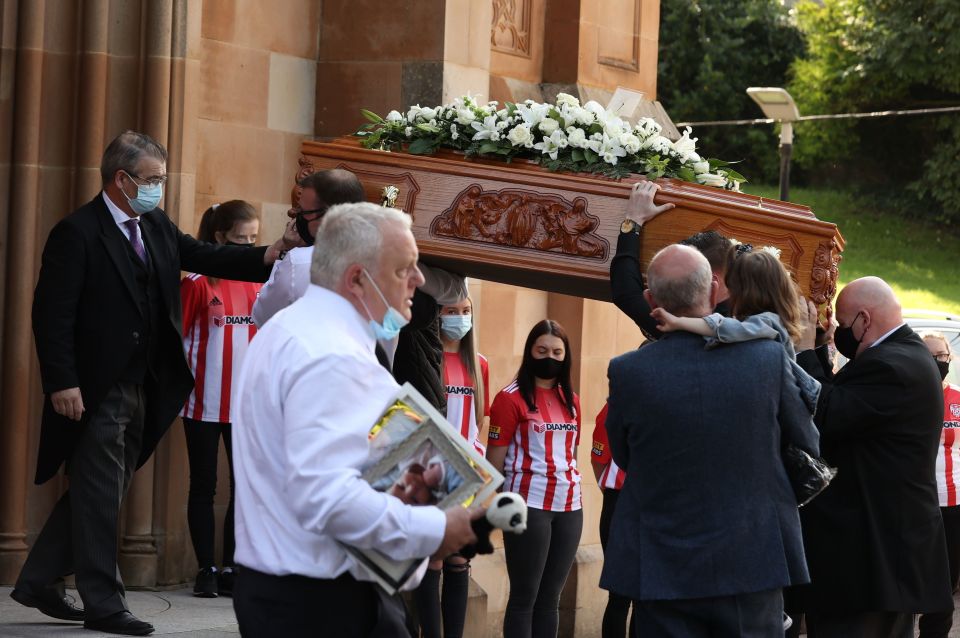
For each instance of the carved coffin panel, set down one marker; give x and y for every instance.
(523, 225)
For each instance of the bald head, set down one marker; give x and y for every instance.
(680, 281)
(334, 186)
(874, 300)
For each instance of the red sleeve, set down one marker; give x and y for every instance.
(576, 405)
(600, 452)
(485, 374)
(189, 302)
(504, 418)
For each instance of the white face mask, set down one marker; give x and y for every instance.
(392, 323)
(455, 327)
(148, 197)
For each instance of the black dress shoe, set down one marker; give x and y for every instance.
(50, 602)
(122, 622)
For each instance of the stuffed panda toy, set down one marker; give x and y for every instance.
(508, 512)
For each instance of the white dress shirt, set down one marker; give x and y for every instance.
(309, 391)
(290, 278)
(885, 336)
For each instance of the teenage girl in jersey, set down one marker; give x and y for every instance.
(948, 479)
(533, 438)
(217, 326)
(466, 377)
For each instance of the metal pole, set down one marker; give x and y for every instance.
(786, 149)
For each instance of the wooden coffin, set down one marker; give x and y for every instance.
(521, 224)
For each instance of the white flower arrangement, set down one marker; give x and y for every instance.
(565, 136)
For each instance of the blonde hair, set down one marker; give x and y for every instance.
(937, 336)
(471, 360)
(758, 282)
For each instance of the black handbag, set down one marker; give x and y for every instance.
(808, 476)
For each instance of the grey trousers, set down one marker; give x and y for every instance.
(80, 536)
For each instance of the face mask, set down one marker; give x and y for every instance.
(233, 243)
(303, 229)
(455, 327)
(393, 322)
(846, 343)
(148, 197)
(546, 368)
(944, 367)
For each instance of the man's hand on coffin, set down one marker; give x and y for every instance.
(808, 335)
(640, 206)
(459, 532)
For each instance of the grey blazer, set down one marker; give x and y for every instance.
(707, 509)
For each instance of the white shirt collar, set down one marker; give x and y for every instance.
(119, 217)
(884, 337)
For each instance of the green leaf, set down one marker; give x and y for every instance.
(590, 156)
(577, 155)
(489, 147)
(373, 117)
(686, 174)
(734, 176)
(422, 146)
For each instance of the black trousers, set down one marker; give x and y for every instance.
(268, 606)
(538, 562)
(938, 625)
(755, 615)
(871, 624)
(203, 448)
(618, 607)
(80, 536)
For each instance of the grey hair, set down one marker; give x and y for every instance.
(683, 293)
(125, 151)
(351, 234)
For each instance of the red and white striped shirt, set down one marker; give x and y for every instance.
(217, 326)
(461, 396)
(612, 476)
(948, 457)
(541, 461)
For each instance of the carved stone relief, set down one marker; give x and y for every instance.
(523, 219)
(510, 31)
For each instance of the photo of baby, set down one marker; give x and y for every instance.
(423, 479)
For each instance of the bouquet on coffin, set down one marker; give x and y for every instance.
(418, 457)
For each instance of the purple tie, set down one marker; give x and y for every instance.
(133, 227)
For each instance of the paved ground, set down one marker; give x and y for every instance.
(174, 612)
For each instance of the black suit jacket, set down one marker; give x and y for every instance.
(874, 538)
(87, 324)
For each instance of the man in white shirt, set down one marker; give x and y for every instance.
(310, 389)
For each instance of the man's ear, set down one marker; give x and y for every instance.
(353, 280)
(650, 300)
(714, 292)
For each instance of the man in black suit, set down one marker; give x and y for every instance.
(874, 539)
(107, 325)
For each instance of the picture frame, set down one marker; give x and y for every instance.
(418, 457)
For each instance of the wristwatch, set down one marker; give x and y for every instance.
(630, 226)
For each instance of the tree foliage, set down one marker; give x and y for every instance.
(710, 52)
(866, 55)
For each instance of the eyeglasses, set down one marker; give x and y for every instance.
(313, 211)
(149, 181)
(943, 358)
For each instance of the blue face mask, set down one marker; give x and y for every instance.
(148, 197)
(455, 327)
(393, 321)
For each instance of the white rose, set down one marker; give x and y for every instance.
(408, 131)
(548, 125)
(701, 167)
(428, 113)
(394, 116)
(520, 135)
(576, 137)
(583, 116)
(413, 112)
(565, 99)
(630, 142)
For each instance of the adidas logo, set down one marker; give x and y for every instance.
(216, 302)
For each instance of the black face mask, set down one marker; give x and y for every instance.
(303, 229)
(846, 343)
(546, 368)
(233, 243)
(944, 367)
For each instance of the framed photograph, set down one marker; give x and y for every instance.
(418, 457)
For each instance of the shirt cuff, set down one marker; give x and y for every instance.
(429, 524)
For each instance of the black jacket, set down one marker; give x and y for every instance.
(419, 357)
(874, 539)
(87, 323)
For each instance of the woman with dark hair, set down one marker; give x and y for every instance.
(533, 438)
(217, 326)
